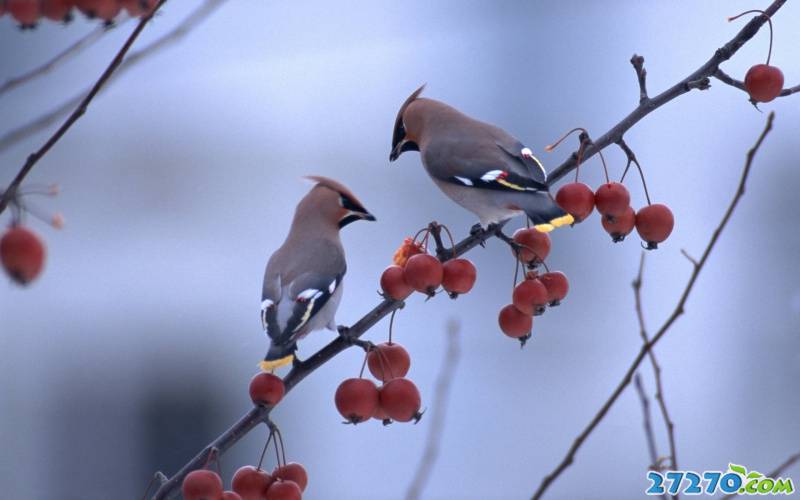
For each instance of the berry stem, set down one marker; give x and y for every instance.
(364, 363)
(264, 450)
(605, 168)
(283, 449)
(769, 21)
(391, 324)
(632, 159)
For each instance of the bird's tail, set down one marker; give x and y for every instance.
(543, 211)
(277, 356)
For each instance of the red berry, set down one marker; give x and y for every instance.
(530, 296)
(763, 82)
(380, 414)
(515, 323)
(230, 495)
(292, 472)
(557, 286)
(612, 199)
(400, 399)
(577, 199)
(388, 361)
(138, 8)
(394, 284)
(26, 12)
(535, 245)
(424, 273)
(356, 399)
(266, 389)
(202, 484)
(654, 224)
(458, 276)
(284, 490)
(250, 482)
(22, 254)
(57, 10)
(620, 226)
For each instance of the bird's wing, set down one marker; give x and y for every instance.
(488, 164)
(301, 301)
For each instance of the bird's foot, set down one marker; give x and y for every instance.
(351, 340)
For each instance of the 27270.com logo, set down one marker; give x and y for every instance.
(735, 480)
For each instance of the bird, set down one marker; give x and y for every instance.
(479, 166)
(303, 278)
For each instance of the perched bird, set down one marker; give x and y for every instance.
(303, 279)
(479, 166)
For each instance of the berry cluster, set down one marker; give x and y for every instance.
(287, 482)
(397, 399)
(612, 200)
(28, 12)
(654, 222)
(531, 297)
(762, 81)
(416, 270)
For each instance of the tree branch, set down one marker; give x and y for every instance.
(677, 312)
(196, 17)
(438, 411)
(697, 80)
(10, 192)
(301, 370)
(646, 420)
(83, 42)
(662, 404)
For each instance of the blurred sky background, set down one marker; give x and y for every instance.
(135, 347)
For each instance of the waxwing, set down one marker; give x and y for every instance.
(303, 279)
(479, 166)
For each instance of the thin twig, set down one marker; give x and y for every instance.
(82, 43)
(775, 473)
(697, 80)
(662, 403)
(641, 75)
(301, 370)
(655, 460)
(11, 190)
(182, 29)
(733, 82)
(438, 410)
(648, 426)
(677, 312)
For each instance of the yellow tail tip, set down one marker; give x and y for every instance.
(563, 220)
(544, 228)
(275, 363)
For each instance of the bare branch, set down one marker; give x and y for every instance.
(677, 312)
(648, 426)
(85, 41)
(662, 404)
(192, 20)
(733, 82)
(438, 411)
(697, 80)
(775, 473)
(10, 192)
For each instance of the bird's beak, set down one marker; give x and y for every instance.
(368, 216)
(395, 151)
